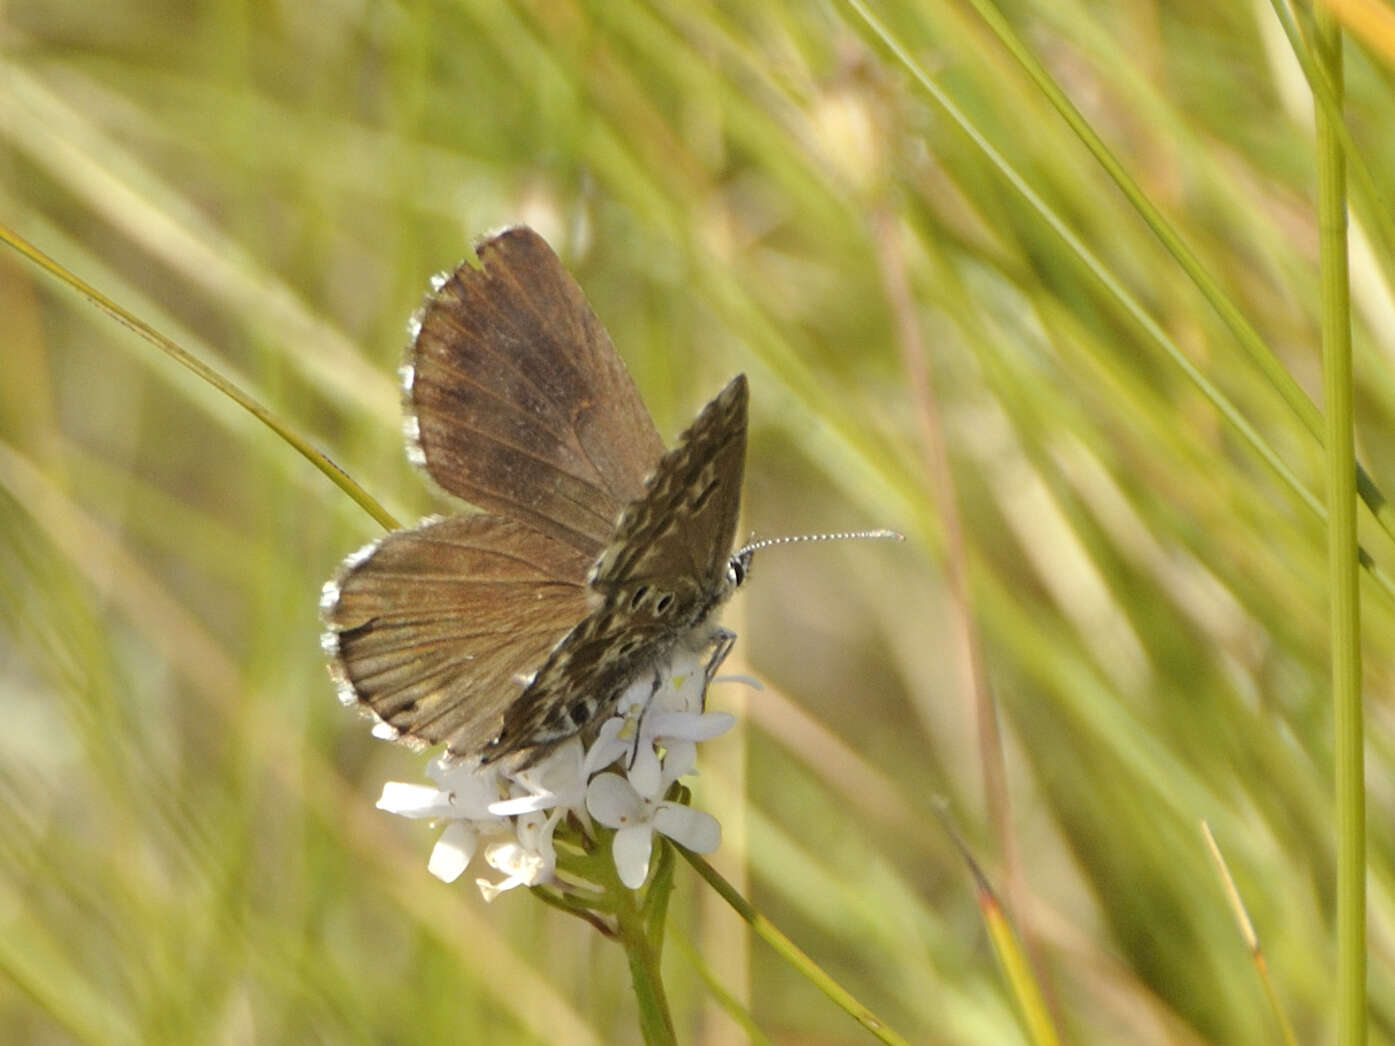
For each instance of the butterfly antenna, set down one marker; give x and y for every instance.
(845, 535)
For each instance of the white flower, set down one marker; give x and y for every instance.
(511, 815)
(463, 790)
(684, 686)
(463, 796)
(526, 860)
(558, 781)
(614, 802)
(666, 718)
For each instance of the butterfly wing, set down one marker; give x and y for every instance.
(429, 628)
(522, 405)
(685, 523)
(660, 579)
(519, 404)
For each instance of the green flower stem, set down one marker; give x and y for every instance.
(791, 953)
(636, 919)
(656, 898)
(1342, 553)
(643, 953)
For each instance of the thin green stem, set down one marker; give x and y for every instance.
(1342, 554)
(1132, 307)
(1239, 326)
(1017, 971)
(791, 952)
(660, 892)
(203, 371)
(655, 1021)
(724, 999)
(1248, 934)
(1377, 213)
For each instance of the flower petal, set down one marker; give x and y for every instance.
(516, 861)
(691, 727)
(523, 804)
(453, 851)
(680, 760)
(414, 800)
(646, 773)
(684, 687)
(489, 890)
(472, 787)
(694, 829)
(608, 746)
(631, 848)
(613, 801)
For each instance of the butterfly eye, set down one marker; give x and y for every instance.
(738, 568)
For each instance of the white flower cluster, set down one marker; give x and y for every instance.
(652, 739)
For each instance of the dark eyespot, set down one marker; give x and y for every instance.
(641, 594)
(665, 601)
(580, 713)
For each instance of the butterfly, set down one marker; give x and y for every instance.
(597, 555)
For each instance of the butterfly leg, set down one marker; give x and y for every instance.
(722, 642)
(639, 723)
(723, 639)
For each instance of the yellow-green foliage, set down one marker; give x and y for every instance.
(189, 851)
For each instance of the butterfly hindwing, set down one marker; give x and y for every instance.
(430, 627)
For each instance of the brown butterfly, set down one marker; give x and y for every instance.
(597, 556)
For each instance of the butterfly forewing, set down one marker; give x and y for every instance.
(660, 580)
(431, 627)
(685, 524)
(522, 405)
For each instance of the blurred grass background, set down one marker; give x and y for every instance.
(188, 847)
